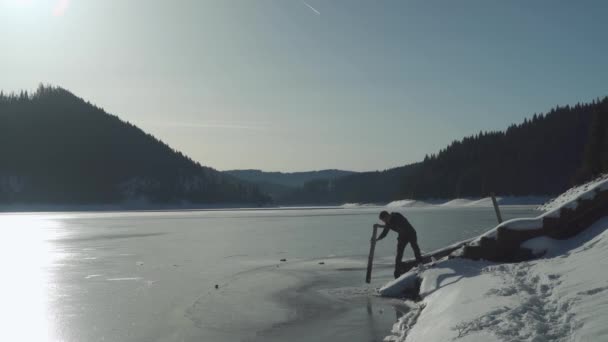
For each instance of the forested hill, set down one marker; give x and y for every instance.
(543, 155)
(58, 149)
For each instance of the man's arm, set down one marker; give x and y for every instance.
(384, 232)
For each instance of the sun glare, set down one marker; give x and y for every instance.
(60, 7)
(25, 259)
(55, 8)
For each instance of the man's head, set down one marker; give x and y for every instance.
(385, 216)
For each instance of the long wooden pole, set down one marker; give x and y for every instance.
(496, 208)
(370, 259)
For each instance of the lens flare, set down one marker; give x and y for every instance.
(60, 7)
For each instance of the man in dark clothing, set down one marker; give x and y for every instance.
(407, 234)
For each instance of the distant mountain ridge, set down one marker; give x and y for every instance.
(59, 149)
(278, 184)
(290, 179)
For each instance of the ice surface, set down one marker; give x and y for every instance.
(151, 276)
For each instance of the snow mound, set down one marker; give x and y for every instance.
(484, 202)
(356, 205)
(458, 202)
(408, 204)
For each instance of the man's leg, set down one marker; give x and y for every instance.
(415, 247)
(401, 243)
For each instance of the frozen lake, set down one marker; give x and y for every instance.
(151, 276)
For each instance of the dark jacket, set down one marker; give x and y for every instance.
(399, 224)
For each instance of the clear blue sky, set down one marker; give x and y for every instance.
(292, 85)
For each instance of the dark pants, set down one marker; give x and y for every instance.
(402, 242)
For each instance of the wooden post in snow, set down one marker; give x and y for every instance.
(370, 259)
(496, 208)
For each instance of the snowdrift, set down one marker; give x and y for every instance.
(569, 197)
(560, 296)
(407, 203)
(468, 202)
(357, 205)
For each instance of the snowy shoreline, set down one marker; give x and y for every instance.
(146, 207)
(560, 297)
(557, 297)
(484, 202)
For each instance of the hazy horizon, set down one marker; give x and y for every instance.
(295, 86)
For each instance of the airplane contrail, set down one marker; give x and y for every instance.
(311, 8)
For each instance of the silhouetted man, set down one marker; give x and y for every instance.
(407, 234)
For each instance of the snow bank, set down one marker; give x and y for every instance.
(572, 194)
(407, 203)
(357, 205)
(538, 246)
(458, 202)
(468, 202)
(516, 224)
(397, 287)
(509, 200)
(552, 209)
(562, 297)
